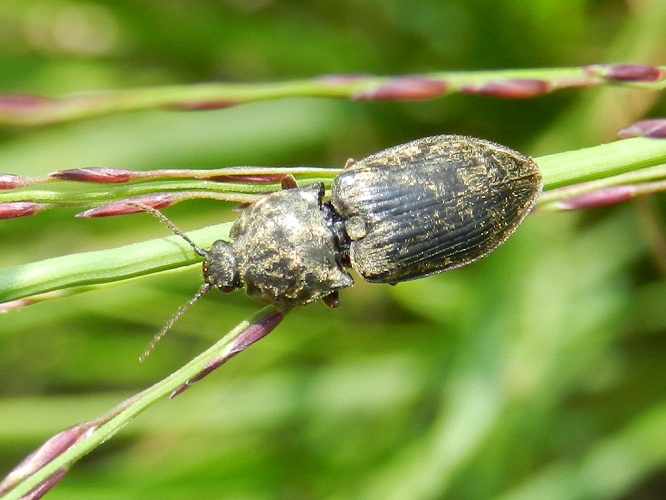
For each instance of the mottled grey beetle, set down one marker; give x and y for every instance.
(407, 212)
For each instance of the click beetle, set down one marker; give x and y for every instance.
(410, 211)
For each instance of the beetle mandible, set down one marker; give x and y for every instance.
(409, 211)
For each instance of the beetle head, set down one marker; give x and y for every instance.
(219, 267)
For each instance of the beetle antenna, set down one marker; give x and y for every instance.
(163, 219)
(158, 336)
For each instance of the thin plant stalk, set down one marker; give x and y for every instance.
(31, 110)
(47, 465)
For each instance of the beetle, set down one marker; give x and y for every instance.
(407, 212)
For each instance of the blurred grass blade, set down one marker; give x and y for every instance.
(597, 162)
(59, 453)
(20, 109)
(105, 266)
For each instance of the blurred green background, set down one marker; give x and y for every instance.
(536, 373)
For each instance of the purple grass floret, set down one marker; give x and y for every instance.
(626, 72)
(127, 206)
(509, 89)
(94, 174)
(12, 209)
(22, 102)
(14, 304)
(11, 181)
(45, 454)
(45, 486)
(654, 128)
(598, 198)
(256, 331)
(409, 87)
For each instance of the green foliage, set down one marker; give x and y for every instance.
(535, 373)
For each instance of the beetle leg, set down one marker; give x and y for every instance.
(288, 182)
(332, 300)
(350, 163)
